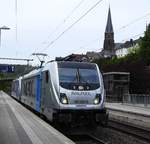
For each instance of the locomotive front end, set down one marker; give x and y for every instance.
(81, 92)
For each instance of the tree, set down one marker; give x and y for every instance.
(145, 46)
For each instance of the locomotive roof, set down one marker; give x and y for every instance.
(68, 64)
(62, 64)
(32, 73)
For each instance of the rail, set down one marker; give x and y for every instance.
(86, 138)
(138, 132)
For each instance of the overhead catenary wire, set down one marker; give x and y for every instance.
(67, 29)
(84, 46)
(132, 22)
(126, 39)
(16, 26)
(19, 59)
(16, 15)
(66, 18)
(63, 21)
(132, 37)
(123, 27)
(123, 40)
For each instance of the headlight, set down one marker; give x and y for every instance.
(63, 98)
(97, 99)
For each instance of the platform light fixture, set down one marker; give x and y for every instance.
(3, 28)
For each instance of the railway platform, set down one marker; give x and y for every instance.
(20, 126)
(138, 116)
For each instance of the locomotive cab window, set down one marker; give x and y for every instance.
(75, 75)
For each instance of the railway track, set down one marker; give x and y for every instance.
(77, 138)
(138, 132)
(129, 129)
(85, 139)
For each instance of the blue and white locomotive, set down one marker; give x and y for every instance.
(65, 92)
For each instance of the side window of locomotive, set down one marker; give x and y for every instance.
(46, 76)
(28, 88)
(28, 85)
(33, 87)
(25, 88)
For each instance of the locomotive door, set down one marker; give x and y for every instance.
(38, 93)
(45, 93)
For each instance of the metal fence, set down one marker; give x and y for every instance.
(137, 99)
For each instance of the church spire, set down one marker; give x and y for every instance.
(109, 26)
(109, 45)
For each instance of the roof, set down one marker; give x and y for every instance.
(127, 44)
(74, 57)
(74, 64)
(32, 73)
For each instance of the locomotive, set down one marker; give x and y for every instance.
(64, 92)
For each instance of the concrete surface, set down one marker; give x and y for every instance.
(20, 126)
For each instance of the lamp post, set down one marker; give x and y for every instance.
(3, 28)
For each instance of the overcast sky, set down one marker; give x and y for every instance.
(40, 22)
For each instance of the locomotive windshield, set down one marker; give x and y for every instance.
(73, 75)
(78, 75)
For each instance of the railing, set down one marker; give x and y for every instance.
(137, 99)
(6, 79)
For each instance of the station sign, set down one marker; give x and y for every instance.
(7, 68)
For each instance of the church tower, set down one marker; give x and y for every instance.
(109, 46)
